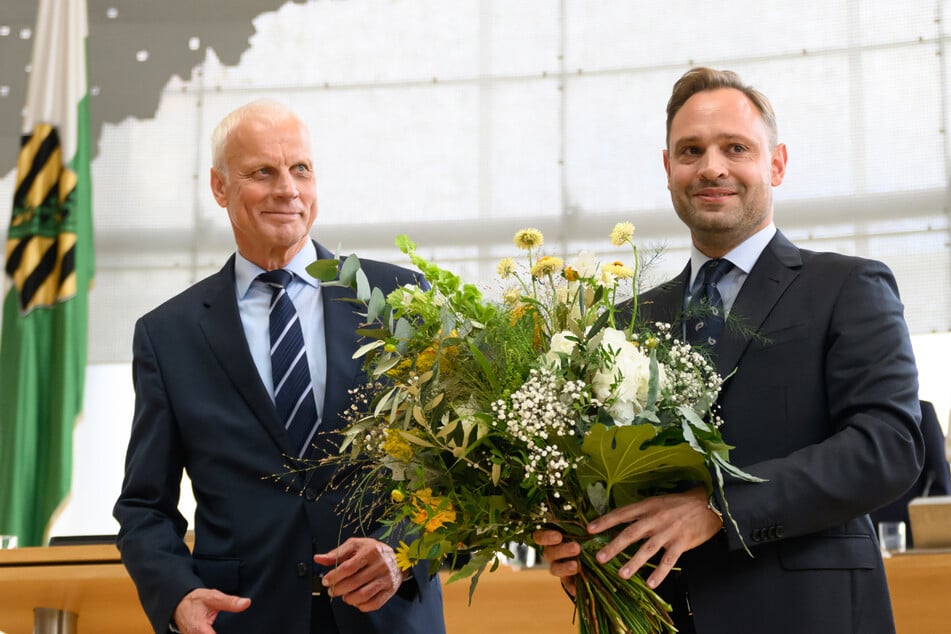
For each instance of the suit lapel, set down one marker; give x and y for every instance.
(221, 325)
(340, 324)
(772, 274)
(665, 302)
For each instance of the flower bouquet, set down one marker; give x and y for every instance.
(484, 421)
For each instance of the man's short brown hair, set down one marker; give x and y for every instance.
(701, 79)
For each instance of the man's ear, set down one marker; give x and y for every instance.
(667, 167)
(777, 165)
(218, 188)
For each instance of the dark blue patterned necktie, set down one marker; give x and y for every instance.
(705, 314)
(293, 389)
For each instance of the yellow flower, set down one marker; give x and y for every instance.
(403, 559)
(618, 270)
(432, 512)
(396, 446)
(529, 239)
(511, 295)
(622, 233)
(397, 496)
(570, 274)
(506, 268)
(547, 265)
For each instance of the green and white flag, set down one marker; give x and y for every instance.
(49, 268)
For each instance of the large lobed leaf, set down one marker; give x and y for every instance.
(631, 468)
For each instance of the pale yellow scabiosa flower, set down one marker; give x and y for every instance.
(506, 268)
(529, 239)
(622, 233)
(619, 270)
(511, 295)
(547, 265)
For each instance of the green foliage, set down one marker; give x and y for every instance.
(484, 420)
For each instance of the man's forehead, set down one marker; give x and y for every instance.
(723, 113)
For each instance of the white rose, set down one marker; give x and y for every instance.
(624, 385)
(563, 341)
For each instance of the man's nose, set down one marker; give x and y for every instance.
(286, 186)
(712, 166)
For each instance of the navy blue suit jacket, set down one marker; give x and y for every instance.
(201, 407)
(823, 403)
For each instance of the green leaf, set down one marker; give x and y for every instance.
(631, 468)
(348, 270)
(365, 348)
(324, 270)
(486, 367)
(363, 286)
(404, 332)
(376, 305)
(598, 497)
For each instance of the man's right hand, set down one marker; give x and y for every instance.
(197, 611)
(562, 556)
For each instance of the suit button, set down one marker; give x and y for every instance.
(757, 534)
(303, 569)
(310, 494)
(771, 532)
(779, 531)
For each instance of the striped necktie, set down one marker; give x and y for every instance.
(293, 388)
(705, 314)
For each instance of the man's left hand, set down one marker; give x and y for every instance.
(363, 572)
(675, 523)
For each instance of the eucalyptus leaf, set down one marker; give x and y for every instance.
(324, 270)
(348, 270)
(376, 306)
(363, 286)
(598, 497)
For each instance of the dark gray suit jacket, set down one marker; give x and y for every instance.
(202, 407)
(823, 403)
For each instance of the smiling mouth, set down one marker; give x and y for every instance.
(714, 195)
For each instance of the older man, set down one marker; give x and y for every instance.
(234, 378)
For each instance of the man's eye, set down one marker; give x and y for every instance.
(263, 171)
(691, 150)
(737, 148)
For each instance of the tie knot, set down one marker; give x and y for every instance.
(714, 270)
(278, 278)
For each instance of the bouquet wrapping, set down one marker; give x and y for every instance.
(486, 420)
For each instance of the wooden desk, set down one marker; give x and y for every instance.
(920, 586)
(528, 601)
(87, 580)
(91, 581)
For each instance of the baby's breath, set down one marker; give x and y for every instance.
(485, 421)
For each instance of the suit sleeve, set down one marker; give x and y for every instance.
(848, 399)
(151, 527)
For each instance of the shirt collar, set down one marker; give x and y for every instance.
(246, 271)
(743, 256)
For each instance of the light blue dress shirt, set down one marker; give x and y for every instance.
(254, 299)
